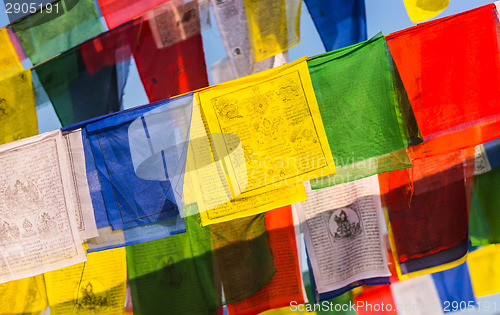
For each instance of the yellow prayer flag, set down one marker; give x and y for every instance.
(17, 107)
(97, 286)
(421, 10)
(273, 26)
(409, 275)
(9, 61)
(24, 296)
(484, 267)
(208, 182)
(272, 119)
(247, 206)
(17, 100)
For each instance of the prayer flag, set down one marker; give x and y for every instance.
(45, 34)
(339, 23)
(96, 286)
(362, 109)
(421, 10)
(451, 83)
(273, 26)
(484, 272)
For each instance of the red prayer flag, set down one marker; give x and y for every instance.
(450, 68)
(117, 12)
(428, 204)
(168, 71)
(285, 286)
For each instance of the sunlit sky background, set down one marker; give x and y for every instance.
(384, 16)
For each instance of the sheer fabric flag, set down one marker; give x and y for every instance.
(9, 61)
(492, 149)
(273, 26)
(232, 24)
(84, 212)
(44, 35)
(380, 295)
(36, 208)
(168, 50)
(213, 186)
(140, 166)
(484, 273)
(109, 238)
(201, 269)
(454, 286)
(17, 107)
(24, 296)
(283, 127)
(339, 23)
(416, 292)
(484, 221)
(168, 274)
(79, 89)
(421, 10)
(243, 257)
(286, 284)
(343, 233)
(367, 121)
(427, 211)
(455, 98)
(96, 286)
(117, 12)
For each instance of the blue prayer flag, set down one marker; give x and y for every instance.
(340, 23)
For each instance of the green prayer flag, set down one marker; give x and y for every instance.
(197, 271)
(45, 34)
(484, 218)
(365, 111)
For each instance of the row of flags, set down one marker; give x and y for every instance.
(187, 199)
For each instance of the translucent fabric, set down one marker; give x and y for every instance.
(44, 35)
(233, 27)
(24, 296)
(484, 273)
(9, 61)
(198, 271)
(421, 10)
(454, 286)
(117, 12)
(454, 96)
(492, 149)
(427, 211)
(109, 238)
(273, 26)
(484, 221)
(286, 284)
(279, 150)
(376, 296)
(78, 91)
(367, 121)
(169, 57)
(339, 23)
(140, 166)
(96, 286)
(17, 107)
